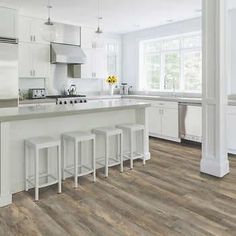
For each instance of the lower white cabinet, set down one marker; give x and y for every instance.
(34, 60)
(164, 120)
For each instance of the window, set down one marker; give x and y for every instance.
(173, 64)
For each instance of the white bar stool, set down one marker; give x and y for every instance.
(37, 144)
(132, 155)
(79, 169)
(107, 162)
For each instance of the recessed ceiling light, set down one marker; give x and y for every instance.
(169, 21)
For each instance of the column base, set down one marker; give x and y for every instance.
(5, 200)
(214, 168)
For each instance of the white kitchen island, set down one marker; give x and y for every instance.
(18, 124)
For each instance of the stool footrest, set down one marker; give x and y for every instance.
(84, 170)
(31, 181)
(111, 162)
(136, 156)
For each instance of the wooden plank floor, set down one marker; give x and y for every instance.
(168, 196)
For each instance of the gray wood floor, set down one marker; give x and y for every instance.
(168, 196)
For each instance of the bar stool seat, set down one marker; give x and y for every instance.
(132, 129)
(78, 137)
(106, 133)
(38, 143)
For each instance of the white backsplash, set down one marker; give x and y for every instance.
(59, 81)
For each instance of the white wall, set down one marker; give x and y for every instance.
(131, 45)
(232, 52)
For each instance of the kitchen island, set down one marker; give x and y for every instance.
(18, 124)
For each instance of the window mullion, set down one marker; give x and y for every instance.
(162, 78)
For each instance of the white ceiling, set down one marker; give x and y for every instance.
(119, 16)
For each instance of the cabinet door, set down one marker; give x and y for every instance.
(155, 121)
(31, 30)
(37, 31)
(87, 37)
(25, 60)
(41, 60)
(100, 63)
(25, 29)
(170, 123)
(8, 26)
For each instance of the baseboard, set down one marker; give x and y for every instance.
(177, 140)
(5, 200)
(211, 167)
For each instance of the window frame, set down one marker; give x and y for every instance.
(142, 85)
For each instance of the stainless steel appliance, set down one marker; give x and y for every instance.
(67, 99)
(67, 54)
(190, 121)
(8, 62)
(124, 89)
(37, 93)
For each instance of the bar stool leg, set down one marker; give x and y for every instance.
(131, 150)
(106, 156)
(76, 164)
(144, 142)
(121, 154)
(48, 164)
(59, 168)
(94, 160)
(36, 174)
(63, 158)
(26, 167)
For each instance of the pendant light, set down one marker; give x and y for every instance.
(99, 40)
(49, 29)
(99, 18)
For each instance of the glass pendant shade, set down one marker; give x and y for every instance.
(49, 29)
(49, 32)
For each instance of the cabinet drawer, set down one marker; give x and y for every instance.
(163, 104)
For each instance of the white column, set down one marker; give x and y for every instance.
(142, 118)
(5, 195)
(214, 101)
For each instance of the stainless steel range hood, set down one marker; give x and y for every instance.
(67, 54)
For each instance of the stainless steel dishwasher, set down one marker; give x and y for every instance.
(190, 118)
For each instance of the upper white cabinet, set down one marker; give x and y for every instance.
(34, 60)
(96, 64)
(88, 38)
(95, 50)
(31, 30)
(8, 23)
(67, 34)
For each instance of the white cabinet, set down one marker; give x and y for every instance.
(31, 30)
(95, 66)
(164, 120)
(170, 123)
(8, 23)
(155, 120)
(89, 39)
(34, 60)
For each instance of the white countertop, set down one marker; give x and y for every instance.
(42, 111)
(231, 102)
(162, 98)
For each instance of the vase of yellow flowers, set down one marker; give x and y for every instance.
(111, 80)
